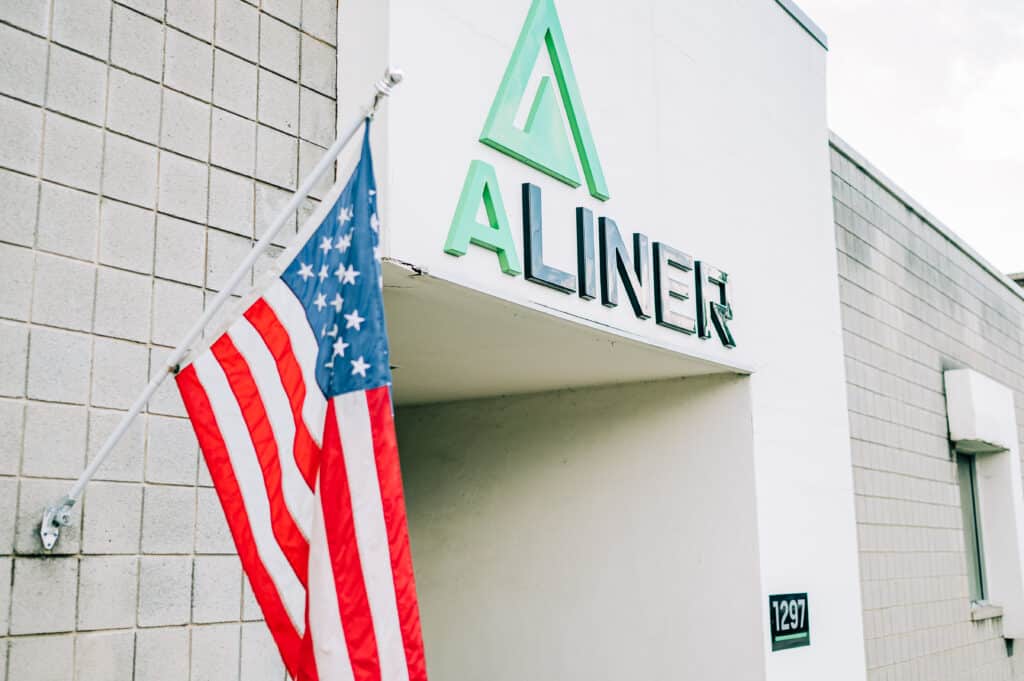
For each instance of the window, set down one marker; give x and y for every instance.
(967, 474)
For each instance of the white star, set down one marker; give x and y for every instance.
(344, 242)
(337, 303)
(373, 192)
(376, 252)
(359, 367)
(374, 222)
(344, 215)
(305, 271)
(353, 320)
(333, 333)
(347, 275)
(323, 272)
(320, 302)
(339, 347)
(325, 245)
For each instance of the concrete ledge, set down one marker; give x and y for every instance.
(985, 611)
(805, 22)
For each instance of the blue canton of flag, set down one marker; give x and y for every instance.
(337, 278)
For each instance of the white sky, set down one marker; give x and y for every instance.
(932, 93)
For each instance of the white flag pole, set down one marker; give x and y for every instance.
(59, 515)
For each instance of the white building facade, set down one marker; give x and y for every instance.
(651, 425)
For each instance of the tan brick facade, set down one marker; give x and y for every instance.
(915, 302)
(144, 144)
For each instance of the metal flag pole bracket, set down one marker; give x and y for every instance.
(59, 514)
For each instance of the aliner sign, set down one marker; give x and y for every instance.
(683, 294)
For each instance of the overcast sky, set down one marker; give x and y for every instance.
(932, 93)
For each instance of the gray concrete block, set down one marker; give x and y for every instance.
(125, 461)
(226, 252)
(58, 365)
(122, 304)
(41, 658)
(63, 292)
(320, 18)
(269, 202)
(30, 15)
(54, 440)
(38, 584)
(8, 506)
(289, 11)
(127, 236)
(231, 202)
(319, 121)
(234, 84)
(77, 85)
(12, 425)
(186, 125)
(278, 102)
(189, 65)
(180, 250)
(276, 157)
(183, 187)
(153, 8)
(217, 589)
(17, 265)
(83, 25)
(172, 454)
(133, 106)
(137, 43)
(72, 153)
(33, 497)
(107, 591)
(106, 656)
(309, 155)
(19, 197)
(130, 171)
(260, 659)
(279, 47)
(250, 607)
(111, 514)
(165, 590)
(234, 141)
(192, 16)
(319, 66)
(6, 565)
(237, 28)
(24, 58)
(166, 400)
(21, 135)
(215, 650)
(169, 519)
(119, 372)
(176, 307)
(68, 221)
(162, 654)
(212, 532)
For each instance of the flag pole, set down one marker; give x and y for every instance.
(59, 515)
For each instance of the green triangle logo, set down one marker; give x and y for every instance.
(542, 143)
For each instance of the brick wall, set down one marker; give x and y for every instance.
(913, 304)
(143, 145)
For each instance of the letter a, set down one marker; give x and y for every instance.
(542, 143)
(482, 185)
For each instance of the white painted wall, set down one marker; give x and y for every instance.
(591, 534)
(710, 122)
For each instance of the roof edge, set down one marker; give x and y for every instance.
(800, 17)
(840, 145)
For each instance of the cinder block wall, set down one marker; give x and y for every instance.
(143, 145)
(913, 304)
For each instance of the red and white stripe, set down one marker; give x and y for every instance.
(312, 492)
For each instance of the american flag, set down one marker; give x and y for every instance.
(292, 409)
